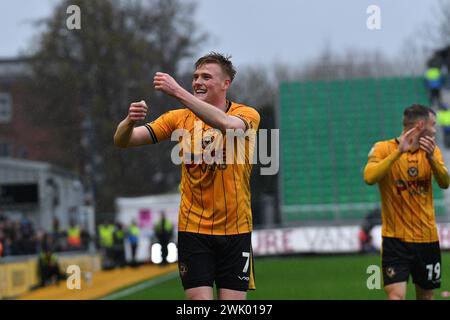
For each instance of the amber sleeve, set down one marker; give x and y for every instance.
(376, 170)
(440, 171)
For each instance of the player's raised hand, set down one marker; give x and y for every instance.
(137, 111)
(165, 83)
(408, 139)
(427, 144)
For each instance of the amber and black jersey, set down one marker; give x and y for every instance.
(215, 198)
(407, 194)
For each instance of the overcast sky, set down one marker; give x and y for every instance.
(263, 31)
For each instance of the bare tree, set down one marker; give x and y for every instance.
(83, 81)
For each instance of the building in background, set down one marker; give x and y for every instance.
(31, 187)
(41, 192)
(19, 137)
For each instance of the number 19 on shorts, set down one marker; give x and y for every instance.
(434, 270)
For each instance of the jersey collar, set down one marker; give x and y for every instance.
(228, 106)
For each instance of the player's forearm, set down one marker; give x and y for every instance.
(123, 133)
(211, 115)
(375, 171)
(440, 173)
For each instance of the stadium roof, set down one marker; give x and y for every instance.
(14, 164)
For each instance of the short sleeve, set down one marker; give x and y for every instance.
(249, 115)
(162, 128)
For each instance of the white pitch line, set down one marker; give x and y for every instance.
(142, 286)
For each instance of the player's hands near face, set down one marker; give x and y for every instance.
(408, 139)
(137, 111)
(428, 145)
(165, 83)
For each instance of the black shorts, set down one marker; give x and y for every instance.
(422, 260)
(226, 261)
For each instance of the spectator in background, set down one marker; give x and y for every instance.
(133, 239)
(44, 240)
(11, 243)
(58, 235)
(5, 236)
(2, 240)
(17, 238)
(163, 231)
(28, 236)
(119, 249)
(85, 238)
(372, 219)
(434, 82)
(74, 236)
(106, 243)
(48, 267)
(443, 119)
(2, 235)
(7, 247)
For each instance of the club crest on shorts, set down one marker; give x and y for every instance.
(183, 269)
(390, 272)
(413, 172)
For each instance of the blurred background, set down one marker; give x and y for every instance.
(333, 77)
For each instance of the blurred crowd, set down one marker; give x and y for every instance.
(17, 237)
(112, 236)
(21, 237)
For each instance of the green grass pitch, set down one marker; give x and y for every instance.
(305, 278)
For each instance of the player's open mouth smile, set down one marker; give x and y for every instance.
(200, 91)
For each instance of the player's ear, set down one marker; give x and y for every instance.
(227, 84)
